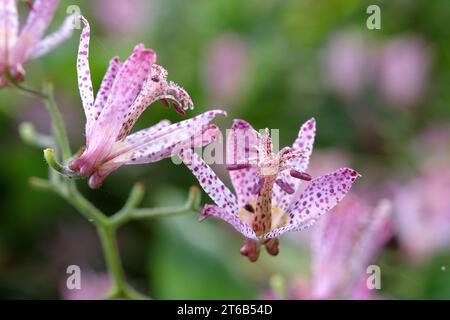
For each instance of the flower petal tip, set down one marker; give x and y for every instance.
(84, 20)
(352, 172)
(206, 212)
(250, 249)
(241, 124)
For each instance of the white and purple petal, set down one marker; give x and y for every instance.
(321, 195)
(126, 87)
(84, 76)
(146, 144)
(155, 88)
(158, 148)
(304, 142)
(103, 93)
(209, 181)
(104, 130)
(238, 225)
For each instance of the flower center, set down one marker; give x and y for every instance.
(270, 165)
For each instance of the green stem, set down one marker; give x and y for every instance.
(66, 188)
(120, 287)
(111, 252)
(134, 199)
(42, 184)
(74, 197)
(49, 156)
(192, 204)
(58, 124)
(23, 89)
(145, 213)
(106, 227)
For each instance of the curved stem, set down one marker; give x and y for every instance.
(49, 155)
(66, 188)
(112, 258)
(74, 197)
(58, 124)
(23, 89)
(192, 204)
(134, 199)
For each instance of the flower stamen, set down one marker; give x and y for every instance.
(284, 186)
(300, 175)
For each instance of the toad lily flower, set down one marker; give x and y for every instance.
(127, 89)
(15, 48)
(269, 200)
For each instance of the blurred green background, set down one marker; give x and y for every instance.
(276, 75)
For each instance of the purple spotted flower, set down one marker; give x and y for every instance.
(126, 90)
(269, 200)
(16, 48)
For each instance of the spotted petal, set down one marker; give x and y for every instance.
(153, 144)
(144, 145)
(84, 76)
(241, 227)
(127, 85)
(165, 145)
(321, 195)
(304, 142)
(155, 88)
(209, 181)
(240, 139)
(103, 93)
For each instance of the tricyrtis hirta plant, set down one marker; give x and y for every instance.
(126, 91)
(16, 48)
(269, 200)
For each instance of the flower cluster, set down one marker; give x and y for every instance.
(270, 198)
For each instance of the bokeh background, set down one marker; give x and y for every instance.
(381, 99)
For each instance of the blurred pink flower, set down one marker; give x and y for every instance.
(15, 48)
(404, 69)
(226, 69)
(124, 17)
(94, 286)
(422, 213)
(347, 64)
(126, 91)
(399, 70)
(432, 147)
(327, 159)
(72, 243)
(345, 243)
(268, 200)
